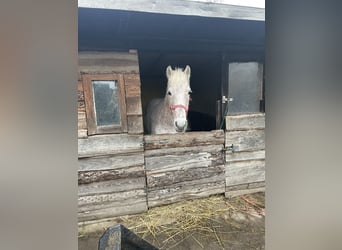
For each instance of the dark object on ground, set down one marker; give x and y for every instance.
(119, 237)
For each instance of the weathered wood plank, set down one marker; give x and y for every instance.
(82, 121)
(80, 93)
(236, 187)
(168, 178)
(249, 140)
(110, 144)
(245, 121)
(173, 162)
(179, 7)
(112, 186)
(256, 185)
(244, 172)
(85, 177)
(116, 199)
(81, 106)
(82, 133)
(133, 106)
(138, 207)
(234, 193)
(108, 62)
(246, 155)
(110, 162)
(183, 192)
(213, 149)
(132, 85)
(135, 124)
(184, 139)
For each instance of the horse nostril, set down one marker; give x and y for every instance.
(181, 124)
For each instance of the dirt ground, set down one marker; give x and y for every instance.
(209, 223)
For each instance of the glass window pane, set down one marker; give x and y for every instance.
(106, 101)
(245, 80)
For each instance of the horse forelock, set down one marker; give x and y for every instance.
(178, 78)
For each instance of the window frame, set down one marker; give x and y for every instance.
(93, 128)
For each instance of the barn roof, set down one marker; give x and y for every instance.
(204, 8)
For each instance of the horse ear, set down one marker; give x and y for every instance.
(187, 71)
(168, 71)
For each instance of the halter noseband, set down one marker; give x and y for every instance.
(173, 107)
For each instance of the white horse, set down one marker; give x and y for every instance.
(169, 115)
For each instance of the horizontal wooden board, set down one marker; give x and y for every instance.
(82, 134)
(110, 162)
(234, 193)
(162, 179)
(257, 184)
(108, 62)
(112, 186)
(133, 106)
(245, 121)
(139, 207)
(245, 172)
(187, 139)
(237, 187)
(114, 199)
(110, 144)
(183, 158)
(245, 155)
(85, 177)
(213, 149)
(249, 140)
(184, 192)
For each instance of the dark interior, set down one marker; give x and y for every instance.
(204, 43)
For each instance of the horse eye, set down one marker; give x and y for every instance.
(168, 92)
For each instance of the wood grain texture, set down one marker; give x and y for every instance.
(249, 140)
(177, 193)
(112, 186)
(110, 162)
(135, 124)
(110, 144)
(187, 139)
(160, 180)
(113, 210)
(234, 193)
(244, 172)
(108, 62)
(133, 105)
(82, 133)
(85, 177)
(245, 121)
(82, 121)
(245, 155)
(184, 157)
(101, 200)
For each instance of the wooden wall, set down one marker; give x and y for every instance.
(127, 173)
(111, 174)
(184, 166)
(245, 153)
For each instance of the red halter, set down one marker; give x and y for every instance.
(173, 107)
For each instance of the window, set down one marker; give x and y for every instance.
(105, 103)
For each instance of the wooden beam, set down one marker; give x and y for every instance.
(180, 7)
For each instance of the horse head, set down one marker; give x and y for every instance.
(178, 96)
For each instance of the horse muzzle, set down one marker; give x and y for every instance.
(181, 125)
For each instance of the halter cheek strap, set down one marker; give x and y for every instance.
(173, 107)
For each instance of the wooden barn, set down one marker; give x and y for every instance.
(124, 49)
